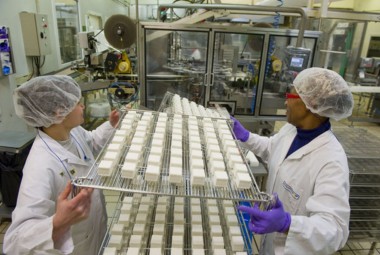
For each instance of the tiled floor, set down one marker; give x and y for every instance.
(353, 247)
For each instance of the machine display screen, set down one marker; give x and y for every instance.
(296, 62)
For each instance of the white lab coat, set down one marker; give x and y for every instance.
(313, 184)
(44, 178)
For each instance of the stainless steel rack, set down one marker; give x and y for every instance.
(138, 184)
(168, 226)
(363, 152)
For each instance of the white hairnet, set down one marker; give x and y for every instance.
(324, 92)
(46, 100)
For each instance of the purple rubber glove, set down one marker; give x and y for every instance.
(263, 222)
(240, 132)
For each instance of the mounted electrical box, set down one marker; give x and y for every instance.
(35, 32)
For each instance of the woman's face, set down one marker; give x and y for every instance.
(75, 117)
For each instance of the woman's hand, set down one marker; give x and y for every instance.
(114, 118)
(70, 211)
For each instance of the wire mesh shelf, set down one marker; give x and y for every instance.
(154, 140)
(174, 225)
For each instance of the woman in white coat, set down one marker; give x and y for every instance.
(307, 170)
(48, 219)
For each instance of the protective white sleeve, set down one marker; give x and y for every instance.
(259, 145)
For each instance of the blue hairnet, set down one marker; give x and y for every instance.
(46, 100)
(324, 92)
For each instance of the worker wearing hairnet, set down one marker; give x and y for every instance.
(48, 219)
(307, 170)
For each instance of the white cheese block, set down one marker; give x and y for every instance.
(212, 148)
(217, 166)
(252, 160)
(220, 252)
(156, 150)
(129, 170)
(131, 157)
(196, 154)
(156, 251)
(162, 200)
(161, 208)
(197, 242)
(154, 160)
(127, 200)
(216, 230)
(240, 168)
(243, 180)
(111, 155)
(234, 231)
(175, 162)
(198, 177)
(212, 202)
(217, 242)
(158, 228)
(161, 124)
(126, 208)
(232, 220)
(124, 218)
(136, 148)
(237, 243)
(115, 241)
(115, 147)
(177, 241)
(160, 130)
(229, 210)
(194, 144)
(176, 251)
(117, 229)
(138, 140)
(133, 251)
(157, 142)
(195, 209)
(178, 229)
(160, 218)
(233, 159)
(215, 156)
(118, 139)
(196, 219)
(214, 219)
(152, 173)
(138, 229)
(105, 167)
(176, 152)
(196, 229)
(146, 200)
(156, 241)
(122, 132)
(144, 208)
(196, 163)
(110, 251)
(179, 218)
(213, 210)
(179, 201)
(198, 251)
(135, 241)
(220, 179)
(175, 175)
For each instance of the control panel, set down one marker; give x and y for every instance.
(35, 32)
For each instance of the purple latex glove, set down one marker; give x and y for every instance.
(263, 222)
(240, 132)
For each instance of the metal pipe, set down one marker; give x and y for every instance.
(246, 9)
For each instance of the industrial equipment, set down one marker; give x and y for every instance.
(116, 66)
